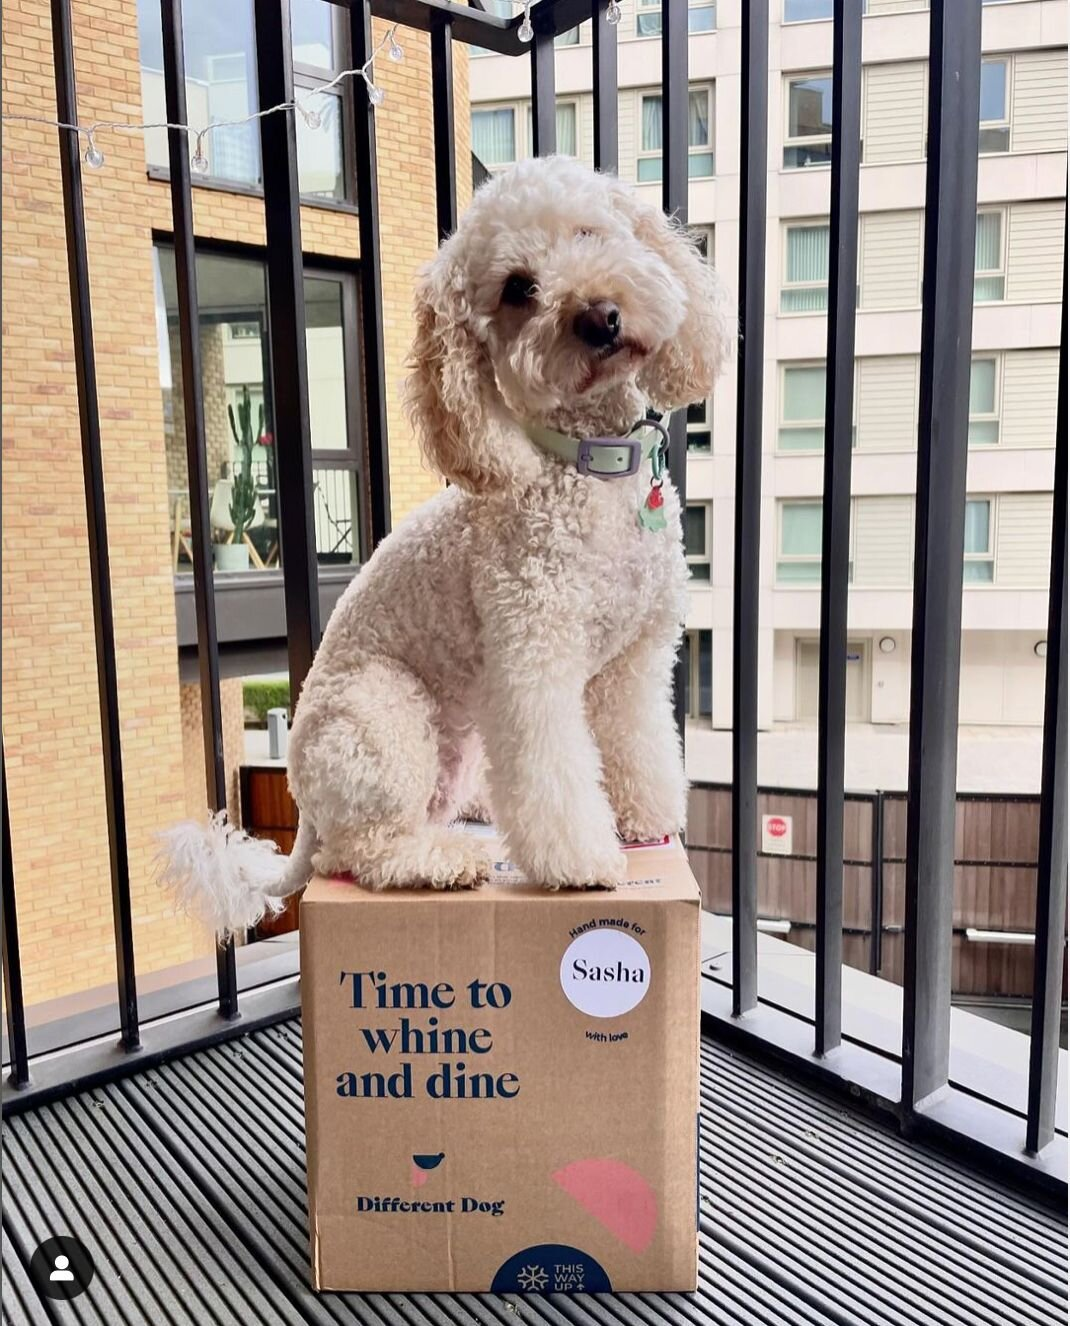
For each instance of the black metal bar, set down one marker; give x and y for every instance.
(1051, 872)
(604, 82)
(14, 1002)
(96, 519)
(543, 93)
(445, 141)
(836, 516)
(674, 202)
(289, 366)
(754, 99)
(876, 905)
(215, 775)
(946, 325)
(373, 353)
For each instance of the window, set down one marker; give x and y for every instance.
(699, 437)
(802, 408)
(569, 38)
(566, 128)
(984, 404)
(699, 135)
(989, 282)
(808, 140)
(238, 410)
(701, 17)
(697, 539)
(221, 85)
(703, 237)
(805, 11)
(698, 674)
(806, 268)
(799, 544)
(995, 126)
(494, 135)
(979, 564)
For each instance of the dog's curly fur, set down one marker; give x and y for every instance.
(523, 611)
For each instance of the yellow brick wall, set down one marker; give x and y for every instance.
(50, 713)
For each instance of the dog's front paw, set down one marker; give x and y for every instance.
(603, 870)
(647, 831)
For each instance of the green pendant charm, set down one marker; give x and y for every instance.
(651, 515)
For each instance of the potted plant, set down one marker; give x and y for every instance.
(234, 554)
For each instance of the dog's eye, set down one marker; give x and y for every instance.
(518, 290)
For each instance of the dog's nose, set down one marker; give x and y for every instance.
(599, 324)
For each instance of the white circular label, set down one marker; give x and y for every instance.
(605, 973)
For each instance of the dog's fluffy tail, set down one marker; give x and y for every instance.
(228, 879)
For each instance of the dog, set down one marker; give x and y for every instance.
(513, 639)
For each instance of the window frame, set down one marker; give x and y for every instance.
(516, 108)
(784, 425)
(523, 131)
(806, 140)
(704, 558)
(996, 414)
(705, 425)
(785, 22)
(1008, 100)
(798, 559)
(693, 646)
(647, 7)
(801, 223)
(992, 273)
(988, 557)
(700, 149)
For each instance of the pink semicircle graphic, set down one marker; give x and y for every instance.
(616, 1195)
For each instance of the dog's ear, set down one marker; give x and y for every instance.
(447, 394)
(687, 365)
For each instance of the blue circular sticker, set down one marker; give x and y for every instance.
(551, 1268)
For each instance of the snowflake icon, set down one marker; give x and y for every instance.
(531, 1278)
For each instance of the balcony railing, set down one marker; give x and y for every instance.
(917, 1086)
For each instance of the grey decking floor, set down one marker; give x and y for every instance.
(187, 1184)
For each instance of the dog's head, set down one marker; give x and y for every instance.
(562, 300)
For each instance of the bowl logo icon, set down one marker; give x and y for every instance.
(422, 1166)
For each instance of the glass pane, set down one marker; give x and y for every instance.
(312, 33)
(807, 154)
(494, 135)
(325, 346)
(695, 531)
(993, 90)
(700, 165)
(801, 11)
(977, 523)
(699, 571)
(983, 386)
(808, 300)
(801, 439)
(648, 25)
(698, 119)
(336, 507)
(649, 169)
(569, 38)
(239, 441)
(804, 393)
(984, 432)
(700, 440)
(994, 140)
(703, 19)
(978, 573)
(809, 107)
(988, 242)
(319, 151)
(798, 573)
(696, 412)
(987, 288)
(220, 84)
(800, 529)
(651, 139)
(808, 253)
(566, 129)
(705, 673)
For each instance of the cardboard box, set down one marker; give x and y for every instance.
(501, 1086)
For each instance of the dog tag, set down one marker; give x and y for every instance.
(651, 515)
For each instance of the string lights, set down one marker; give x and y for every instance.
(199, 164)
(526, 31)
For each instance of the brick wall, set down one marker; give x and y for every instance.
(50, 714)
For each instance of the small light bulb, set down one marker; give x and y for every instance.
(199, 163)
(613, 12)
(94, 157)
(395, 52)
(376, 95)
(313, 119)
(525, 32)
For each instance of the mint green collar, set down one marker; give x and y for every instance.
(603, 457)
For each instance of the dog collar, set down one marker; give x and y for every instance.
(605, 457)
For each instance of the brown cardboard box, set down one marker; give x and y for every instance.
(502, 1086)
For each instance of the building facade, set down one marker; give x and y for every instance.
(51, 726)
(1019, 261)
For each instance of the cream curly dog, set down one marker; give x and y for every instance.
(524, 611)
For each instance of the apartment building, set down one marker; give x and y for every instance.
(51, 724)
(1019, 258)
